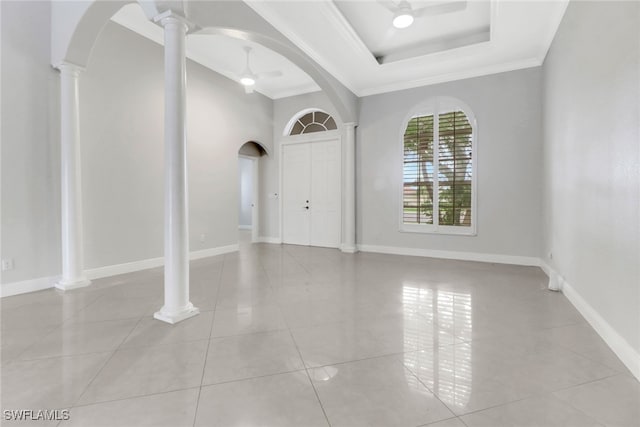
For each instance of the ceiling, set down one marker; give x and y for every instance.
(355, 41)
(226, 56)
(430, 32)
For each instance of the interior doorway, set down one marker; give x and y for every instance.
(311, 197)
(248, 191)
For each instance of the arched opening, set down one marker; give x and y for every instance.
(76, 27)
(311, 183)
(74, 37)
(248, 191)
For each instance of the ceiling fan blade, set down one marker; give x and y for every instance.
(205, 32)
(441, 9)
(389, 4)
(270, 74)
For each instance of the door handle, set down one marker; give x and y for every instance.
(306, 207)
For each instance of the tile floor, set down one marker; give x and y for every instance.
(297, 336)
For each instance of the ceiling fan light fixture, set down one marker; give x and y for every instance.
(247, 81)
(403, 19)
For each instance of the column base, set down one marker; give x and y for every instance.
(349, 249)
(67, 285)
(174, 317)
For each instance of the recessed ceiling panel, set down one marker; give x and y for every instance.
(438, 26)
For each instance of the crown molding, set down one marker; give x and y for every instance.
(348, 33)
(552, 29)
(448, 77)
(262, 9)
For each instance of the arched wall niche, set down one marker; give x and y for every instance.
(76, 26)
(253, 149)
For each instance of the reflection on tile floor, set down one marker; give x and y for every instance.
(302, 336)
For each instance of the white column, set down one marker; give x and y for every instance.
(177, 306)
(349, 238)
(71, 183)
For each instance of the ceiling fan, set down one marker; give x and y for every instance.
(404, 14)
(248, 78)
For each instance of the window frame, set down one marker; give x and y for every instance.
(436, 106)
(300, 114)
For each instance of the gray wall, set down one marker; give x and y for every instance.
(30, 147)
(122, 96)
(592, 156)
(121, 101)
(507, 108)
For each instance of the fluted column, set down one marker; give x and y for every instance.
(177, 306)
(71, 183)
(349, 237)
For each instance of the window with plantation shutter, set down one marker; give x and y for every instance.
(438, 171)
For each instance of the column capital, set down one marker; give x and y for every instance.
(170, 17)
(69, 68)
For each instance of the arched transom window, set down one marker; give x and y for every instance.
(439, 171)
(314, 121)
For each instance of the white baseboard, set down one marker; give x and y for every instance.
(245, 227)
(555, 280)
(220, 250)
(265, 239)
(24, 286)
(465, 256)
(348, 249)
(127, 267)
(15, 288)
(627, 354)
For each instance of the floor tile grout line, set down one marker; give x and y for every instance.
(304, 364)
(532, 395)
(238, 380)
(107, 362)
(21, 359)
(595, 361)
(53, 328)
(351, 361)
(587, 382)
(204, 365)
(306, 370)
(139, 396)
(547, 394)
(551, 394)
(428, 388)
(440, 421)
(206, 354)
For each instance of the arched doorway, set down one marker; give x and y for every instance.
(248, 191)
(311, 171)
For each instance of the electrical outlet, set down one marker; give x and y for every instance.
(203, 238)
(7, 264)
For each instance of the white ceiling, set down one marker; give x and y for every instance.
(226, 56)
(355, 41)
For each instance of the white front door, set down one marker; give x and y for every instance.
(311, 193)
(296, 184)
